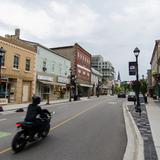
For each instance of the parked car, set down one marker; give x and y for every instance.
(121, 95)
(131, 96)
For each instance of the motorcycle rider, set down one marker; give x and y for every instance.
(33, 111)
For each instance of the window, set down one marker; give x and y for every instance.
(16, 62)
(2, 61)
(27, 67)
(53, 67)
(79, 71)
(78, 55)
(60, 68)
(44, 65)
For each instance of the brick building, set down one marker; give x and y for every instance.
(80, 65)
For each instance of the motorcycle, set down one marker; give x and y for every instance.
(29, 133)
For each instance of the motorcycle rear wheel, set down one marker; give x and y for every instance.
(19, 142)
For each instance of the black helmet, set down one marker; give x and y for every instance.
(36, 100)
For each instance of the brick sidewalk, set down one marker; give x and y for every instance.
(143, 125)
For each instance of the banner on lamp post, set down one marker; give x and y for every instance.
(132, 68)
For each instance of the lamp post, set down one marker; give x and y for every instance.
(136, 53)
(2, 52)
(70, 85)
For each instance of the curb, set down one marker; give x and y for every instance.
(43, 104)
(135, 146)
(14, 109)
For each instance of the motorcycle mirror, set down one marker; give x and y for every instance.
(53, 112)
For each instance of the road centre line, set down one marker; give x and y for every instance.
(60, 124)
(71, 118)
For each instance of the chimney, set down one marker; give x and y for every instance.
(17, 33)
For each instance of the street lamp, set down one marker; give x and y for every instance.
(136, 53)
(2, 52)
(70, 85)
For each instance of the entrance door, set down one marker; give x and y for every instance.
(26, 91)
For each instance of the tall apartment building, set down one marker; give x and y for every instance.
(104, 67)
(107, 70)
(96, 60)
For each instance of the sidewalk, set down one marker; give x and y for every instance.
(145, 131)
(153, 110)
(11, 107)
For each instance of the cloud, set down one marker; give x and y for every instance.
(60, 20)
(106, 27)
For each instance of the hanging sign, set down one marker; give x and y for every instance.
(132, 68)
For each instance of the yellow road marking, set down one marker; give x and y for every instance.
(5, 150)
(60, 124)
(71, 118)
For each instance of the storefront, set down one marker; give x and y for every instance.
(55, 87)
(60, 88)
(44, 86)
(15, 90)
(85, 90)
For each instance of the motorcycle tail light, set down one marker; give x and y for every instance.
(18, 125)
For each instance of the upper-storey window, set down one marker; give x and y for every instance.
(27, 66)
(16, 61)
(44, 65)
(3, 60)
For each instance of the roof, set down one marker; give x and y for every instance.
(154, 50)
(76, 44)
(18, 42)
(37, 44)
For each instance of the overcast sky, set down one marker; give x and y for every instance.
(112, 28)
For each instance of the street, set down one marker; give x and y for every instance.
(93, 129)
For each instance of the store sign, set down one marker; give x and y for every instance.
(63, 79)
(45, 78)
(132, 68)
(3, 101)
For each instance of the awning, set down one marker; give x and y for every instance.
(86, 85)
(46, 82)
(60, 84)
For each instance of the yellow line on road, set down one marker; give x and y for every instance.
(71, 118)
(60, 124)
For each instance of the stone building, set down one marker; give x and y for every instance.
(155, 69)
(18, 70)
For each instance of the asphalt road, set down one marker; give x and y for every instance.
(85, 130)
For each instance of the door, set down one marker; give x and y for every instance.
(26, 91)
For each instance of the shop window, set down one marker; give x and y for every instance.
(27, 67)
(16, 62)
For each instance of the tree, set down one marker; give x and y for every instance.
(117, 88)
(136, 86)
(143, 88)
